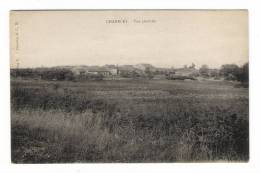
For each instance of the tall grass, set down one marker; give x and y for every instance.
(67, 123)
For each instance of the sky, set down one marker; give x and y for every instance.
(163, 38)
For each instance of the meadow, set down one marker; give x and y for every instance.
(129, 121)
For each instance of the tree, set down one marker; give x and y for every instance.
(148, 73)
(192, 66)
(244, 73)
(214, 73)
(204, 70)
(230, 71)
(135, 74)
(69, 76)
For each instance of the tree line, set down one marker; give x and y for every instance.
(230, 72)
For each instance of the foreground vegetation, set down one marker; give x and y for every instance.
(129, 121)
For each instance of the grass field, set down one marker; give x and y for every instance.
(129, 121)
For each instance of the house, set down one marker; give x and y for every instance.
(187, 72)
(114, 71)
(78, 70)
(183, 73)
(99, 72)
(144, 67)
(96, 70)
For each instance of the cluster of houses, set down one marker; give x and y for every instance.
(95, 70)
(111, 71)
(139, 69)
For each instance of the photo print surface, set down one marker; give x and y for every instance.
(129, 86)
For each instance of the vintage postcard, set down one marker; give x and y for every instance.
(131, 86)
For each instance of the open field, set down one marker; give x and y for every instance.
(129, 121)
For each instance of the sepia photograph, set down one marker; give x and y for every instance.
(129, 86)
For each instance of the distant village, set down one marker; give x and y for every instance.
(121, 72)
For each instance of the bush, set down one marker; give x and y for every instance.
(233, 72)
(204, 71)
(243, 75)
